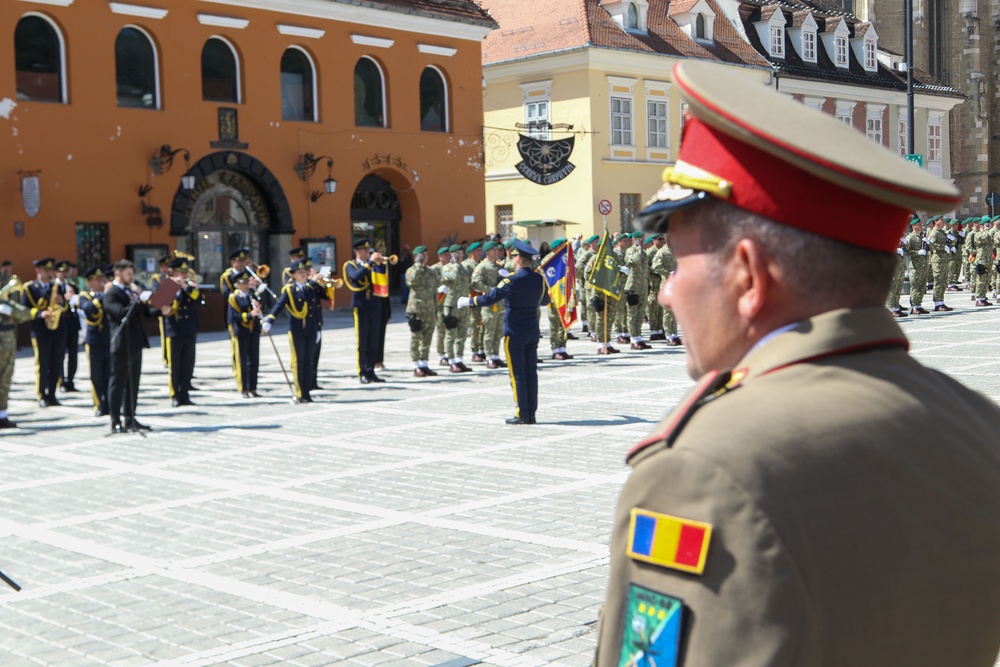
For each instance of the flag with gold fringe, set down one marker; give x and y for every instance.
(560, 276)
(606, 276)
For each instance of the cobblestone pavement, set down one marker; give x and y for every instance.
(395, 524)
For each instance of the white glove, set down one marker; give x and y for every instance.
(625, 270)
(261, 288)
(319, 335)
(266, 326)
(443, 289)
(75, 301)
(962, 234)
(927, 240)
(144, 295)
(5, 309)
(504, 273)
(922, 252)
(464, 301)
(81, 338)
(900, 252)
(951, 237)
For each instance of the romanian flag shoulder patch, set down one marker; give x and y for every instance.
(668, 541)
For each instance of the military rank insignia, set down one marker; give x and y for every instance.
(668, 541)
(652, 633)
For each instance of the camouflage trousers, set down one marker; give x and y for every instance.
(918, 280)
(939, 269)
(557, 333)
(440, 330)
(492, 329)
(956, 266)
(654, 311)
(635, 314)
(476, 324)
(454, 339)
(8, 352)
(420, 341)
(896, 287)
(619, 323)
(600, 322)
(582, 303)
(980, 282)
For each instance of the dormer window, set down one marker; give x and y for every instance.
(699, 26)
(777, 41)
(865, 44)
(809, 46)
(840, 48)
(834, 36)
(802, 29)
(629, 14)
(632, 17)
(871, 60)
(696, 21)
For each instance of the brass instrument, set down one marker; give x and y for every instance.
(55, 311)
(335, 283)
(258, 271)
(392, 259)
(13, 284)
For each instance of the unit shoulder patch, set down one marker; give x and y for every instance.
(652, 629)
(668, 541)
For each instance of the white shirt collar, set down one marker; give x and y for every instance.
(776, 332)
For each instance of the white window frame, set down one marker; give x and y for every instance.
(621, 89)
(381, 74)
(841, 58)
(845, 112)
(904, 134)
(874, 113)
(658, 93)
(156, 62)
(871, 55)
(809, 46)
(777, 41)
(239, 67)
(935, 138)
(63, 78)
(534, 93)
(315, 80)
(815, 103)
(630, 117)
(447, 96)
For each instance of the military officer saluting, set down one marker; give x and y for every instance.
(302, 298)
(98, 340)
(781, 515)
(181, 328)
(522, 293)
(243, 317)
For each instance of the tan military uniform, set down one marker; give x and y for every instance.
(850, 526)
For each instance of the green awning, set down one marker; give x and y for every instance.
(551, 222)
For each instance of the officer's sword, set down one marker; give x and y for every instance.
(295, 399)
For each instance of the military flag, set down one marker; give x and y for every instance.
(606, 276)
(560, 275)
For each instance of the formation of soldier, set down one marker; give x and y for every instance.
(946, 255)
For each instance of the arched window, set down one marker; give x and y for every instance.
(369, 94)
(433, 101)
(39, 60)
(297, 86)
(632, 21)
(220, 72)
(699, 26)
(136, 70)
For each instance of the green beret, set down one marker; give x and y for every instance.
(508, 244)
(419, 249)
(473, 246)
(915, 221)
(558, 241)
(455, 247)
(443, 249)
(649, 239)
(637, 234)
(955, 222)
(489, 245)
(620, 237)
(984, 219)
(593, 238)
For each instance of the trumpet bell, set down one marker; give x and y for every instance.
(393, 259)
(263, 270)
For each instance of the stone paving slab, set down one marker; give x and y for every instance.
(400, 524)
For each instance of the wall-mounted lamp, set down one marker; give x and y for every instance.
(163, 159)
(305, 166)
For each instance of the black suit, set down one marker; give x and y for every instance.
(126, 351)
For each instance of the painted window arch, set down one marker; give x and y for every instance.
(632, 18)
(220, 71)
(298, 85)
(699, 26)
(369, 94)
(39, 59)
(137, 69)
(433, 101)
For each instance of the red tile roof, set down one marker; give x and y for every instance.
(463, 11)
(533, 28)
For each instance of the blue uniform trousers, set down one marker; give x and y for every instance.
(522, 363)
(99, 357)
(366, 327)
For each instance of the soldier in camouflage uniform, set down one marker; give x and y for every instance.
(654, 311)
(917, 249)
(896, 287)
(940, 251)
(994, 274)
(11, 314)
(557, 332)
(458, 281)
(664, 264)
(636, 290)
(618, 316)
(957, 257)
(985, 246)
(972, 226)
(588, 250)
(444, 257)
(421, 310)
(601, 310)
(485, 277)
(474, 254)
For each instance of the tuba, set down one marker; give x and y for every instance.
(55, 311)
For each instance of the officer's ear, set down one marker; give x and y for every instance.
(750, 275)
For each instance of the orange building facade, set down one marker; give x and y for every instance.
(130, 129)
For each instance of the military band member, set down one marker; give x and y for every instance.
(485, 277)
(557, 332)
(523, 293)
(163, 273)
(456, 280)
(11, 314)
(243, 317)
(653, 308)
(636, 290)
(181, 328)
(238, 260)
(67, 276)
(302, 298)
(46, 299)
(296, 254)
(126, 316)
(421, 310)
(98, 341)
(444, 258)
(474, 255)
(360, 277)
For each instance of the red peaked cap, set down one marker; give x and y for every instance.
(760, 151)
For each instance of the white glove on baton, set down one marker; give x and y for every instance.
(464, 302)
(266, 326)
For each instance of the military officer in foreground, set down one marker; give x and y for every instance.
(522, 293)
(780, 516)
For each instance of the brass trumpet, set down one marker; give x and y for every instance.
(259, 271)
(392, 259)
(335, 283)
